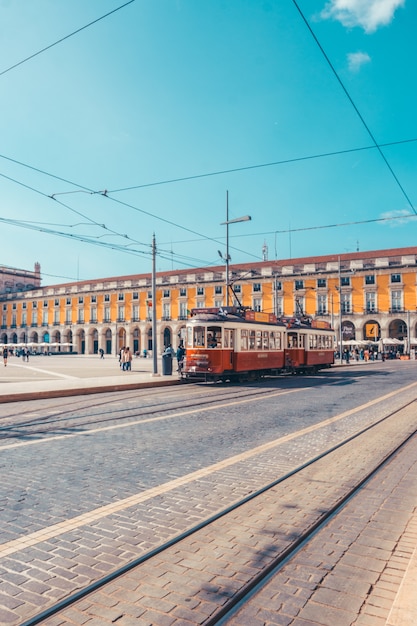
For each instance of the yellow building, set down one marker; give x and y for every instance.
(367, 296)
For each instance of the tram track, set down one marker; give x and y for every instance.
(304, 498)
(60, 419)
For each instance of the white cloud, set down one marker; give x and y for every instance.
(398, 217)
(368, 14)
(357, 59)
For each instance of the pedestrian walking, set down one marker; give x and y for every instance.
(5, 355)
(126, 360)
(180, 357)
(101, 352)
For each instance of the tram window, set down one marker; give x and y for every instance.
(199, 336)
(278, 342)
(259, 340)
(243, 339)
(265, 340)
(292, 340)
(189, 337)
(272, 340)
(313, 341)
(301, 341)
(319, 342)
(252, 340)
(214, 337)
(228, 339)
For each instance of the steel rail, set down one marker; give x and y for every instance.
(257, 580)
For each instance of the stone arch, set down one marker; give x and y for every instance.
(93, 346)
(166, 337)
(371, 331)
(397, 329)
(348, 330)
(136, 340)
(108, 337)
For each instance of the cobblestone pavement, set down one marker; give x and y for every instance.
(187, 583)
(107, 519)
(359, 570)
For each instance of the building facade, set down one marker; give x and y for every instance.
(366, 296)
(13, 280)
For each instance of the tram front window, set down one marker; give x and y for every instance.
(214, 337)
(199, 336)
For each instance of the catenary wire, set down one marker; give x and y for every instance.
(349, 97)
(75, 32)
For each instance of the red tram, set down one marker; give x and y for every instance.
(234, 344)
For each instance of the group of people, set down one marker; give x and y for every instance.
(24, 353)
(179, 354)
(125, 359)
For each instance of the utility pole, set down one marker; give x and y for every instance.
(154, 328)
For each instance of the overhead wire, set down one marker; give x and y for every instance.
(349, 97)
(55, 43)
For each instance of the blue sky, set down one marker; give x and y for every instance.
(219, 95)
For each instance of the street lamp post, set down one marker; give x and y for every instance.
(245, 218)
(340, 315)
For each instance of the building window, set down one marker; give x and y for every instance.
(135, 313)
(107, 314)
(201, 304)
(23, 305)
(370, 279)
(166, 311)
(218, 290)
(81, 316)
(94, 299)
(56, 317)
(93, 314)
(4, 307)
(396, 301)
(45, 303)
(80, 299)
(218, 304)
(279, 310)
(345, 302)
(68, 318)
(166, 293)
(345, 281)
(121, 297)
(278, 285)
(370, 302)
(44, 318)
(56, 302)
(183, 291)
(299, 305)
(200, 291)
(34, 319)
(121, 313)
(257, 304)
(106, 297)
(299, 284)
(135, 295)
(24, 319)
(183, 310)
(237, 288)
(256, 287)
(321, 304)
(34, 305)
(14, 306)
(68, 301)
(321, 282)
(395, 278)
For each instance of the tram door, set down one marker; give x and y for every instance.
(229, 344)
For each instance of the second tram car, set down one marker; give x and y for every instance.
(236, 344)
